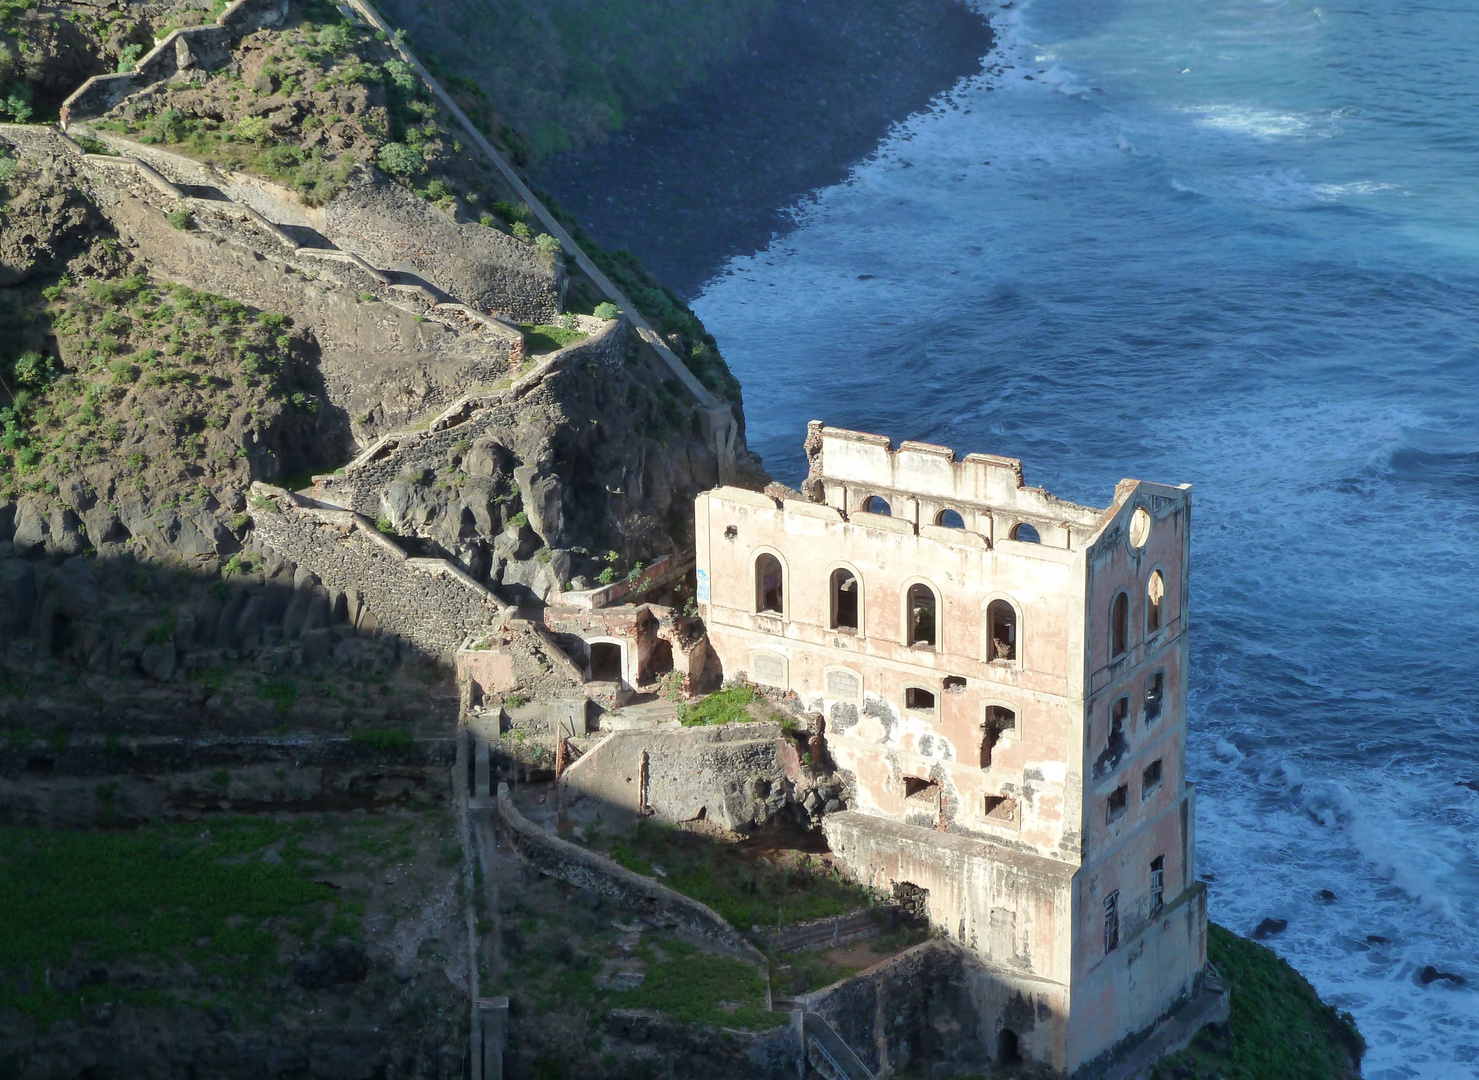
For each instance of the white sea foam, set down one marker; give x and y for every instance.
(1264, 123)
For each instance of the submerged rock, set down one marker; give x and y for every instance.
(1268, 928)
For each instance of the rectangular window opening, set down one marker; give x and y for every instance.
(1001, 808)
(1157, 884)
(917, 787)
(1150, 780)
(1119, 802)
(1112, 921)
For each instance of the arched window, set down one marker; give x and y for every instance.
(769, 584)
(923, 616)
(1155, 592)
(1119, 625)
(1025, 533)
(950, 519)
(876, 504)
(998, 720)
(1001, 631)
(845, 591)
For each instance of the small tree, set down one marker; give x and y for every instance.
(606, 310)
(548, 244)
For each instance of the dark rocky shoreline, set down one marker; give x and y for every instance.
(711, 175)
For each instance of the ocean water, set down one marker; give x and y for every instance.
(1233, 243)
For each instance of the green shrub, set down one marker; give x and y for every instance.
(33, 370)
(383, 524)
(7, 168)
(335, 38)
(253, 129)
(548, 244)
(398, 159)
(129, 57)
(402, 75)
(515, 701)
(519, 520)
(606, 576)
(179, 218)
(606, 310)
(17, 104)
(520, 230)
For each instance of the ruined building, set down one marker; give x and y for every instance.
(1002, 677)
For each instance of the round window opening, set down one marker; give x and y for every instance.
(1139, 527)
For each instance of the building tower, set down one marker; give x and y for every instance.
(1003, 680)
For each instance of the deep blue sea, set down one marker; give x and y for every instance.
(1233, 243)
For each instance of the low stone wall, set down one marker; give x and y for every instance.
(736, 775)
(909, 1010)
(180, 50)
(93, 781)
(429, 602)
(588, 870)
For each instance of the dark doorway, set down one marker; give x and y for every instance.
(605, 662)
(1007, 1052)
(660, 661)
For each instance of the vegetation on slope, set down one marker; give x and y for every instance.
(154, 392)
(1280, 1029)
(566, 73)
(787, 887)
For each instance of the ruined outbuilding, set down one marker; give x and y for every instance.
(1002, 679)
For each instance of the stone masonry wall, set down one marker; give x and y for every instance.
(585, 869)
(429, 602)
(906, 1011)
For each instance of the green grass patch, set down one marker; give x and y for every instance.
(73, 901)
(695, 987)
(1280, 1029)
(792, 888)
(383, 738)
(548, 339)
(728, 706)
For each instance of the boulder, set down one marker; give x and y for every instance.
(32, 528)
(543, 502)
(1268, 928)
(158, 660)
(1430, 974)
(486, 457)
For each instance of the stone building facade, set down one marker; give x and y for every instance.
(1003, 680)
